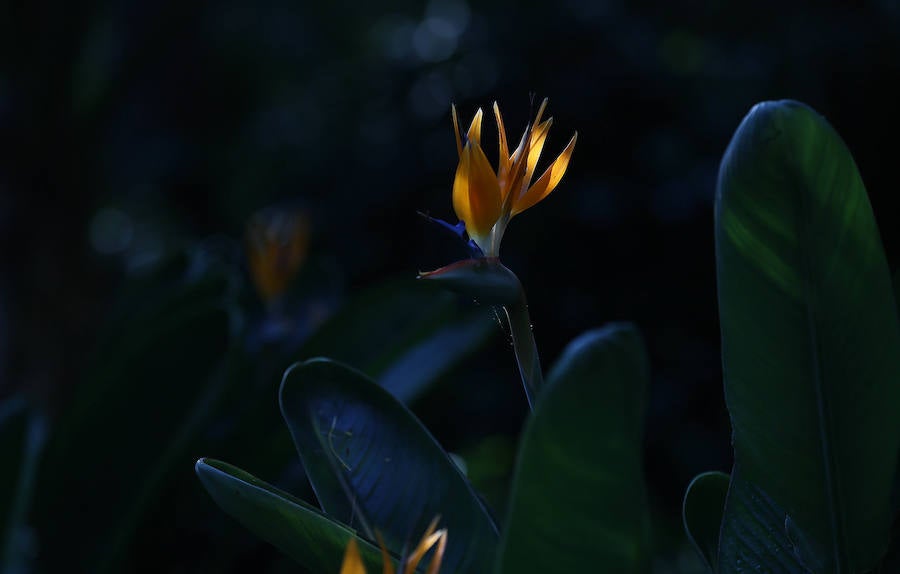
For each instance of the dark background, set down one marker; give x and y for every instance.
(131, 130)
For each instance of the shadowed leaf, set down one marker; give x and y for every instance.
(810, 344)
(704, 504)
(578, 501)
(301, 531)
(371, 461)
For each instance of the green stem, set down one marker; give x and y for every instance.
(15, 554)
(525, 348)
(489, 281)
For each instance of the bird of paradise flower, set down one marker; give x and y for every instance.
(485, 201)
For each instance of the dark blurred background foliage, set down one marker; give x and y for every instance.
(140, 137)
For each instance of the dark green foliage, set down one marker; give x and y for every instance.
(579, 502)
(758, 534)
(578, 496)
(13, 428)
(704, 503)
(23, 433)
(104, 444)
(173, 378)
(296, 528)
(811, 350)
(183, 119)
(421, 334)
(371, 462)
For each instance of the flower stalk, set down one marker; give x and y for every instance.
(525, 348)
(488, 281)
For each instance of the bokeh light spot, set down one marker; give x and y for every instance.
(111, 231)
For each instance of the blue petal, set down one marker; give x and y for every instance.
(459, 230)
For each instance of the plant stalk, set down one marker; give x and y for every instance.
(525, 348)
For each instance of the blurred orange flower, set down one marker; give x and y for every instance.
(277, 242)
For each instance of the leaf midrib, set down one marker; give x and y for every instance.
(832, 494)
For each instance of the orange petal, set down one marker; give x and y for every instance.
(547, 182)
(456, 129)
(352, 562)
(517, 153)
(476, 193)
(527, 136)
(503, 166)
(474, 133)
(438, 553)
(385, 555)
(540, 114)
(461, 203)
(425, 544)
(520, 174)
(538, 137)
(516, 171)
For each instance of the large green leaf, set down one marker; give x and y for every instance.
(758, 535)
(436, 353)
(890, 562)
(301, 531)
(13, 430)
(372, 463)
(421, 335)
(410, 323)
(704, 504)
(579, 502)
(810, 339)
(23, 432)
(147, 391)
